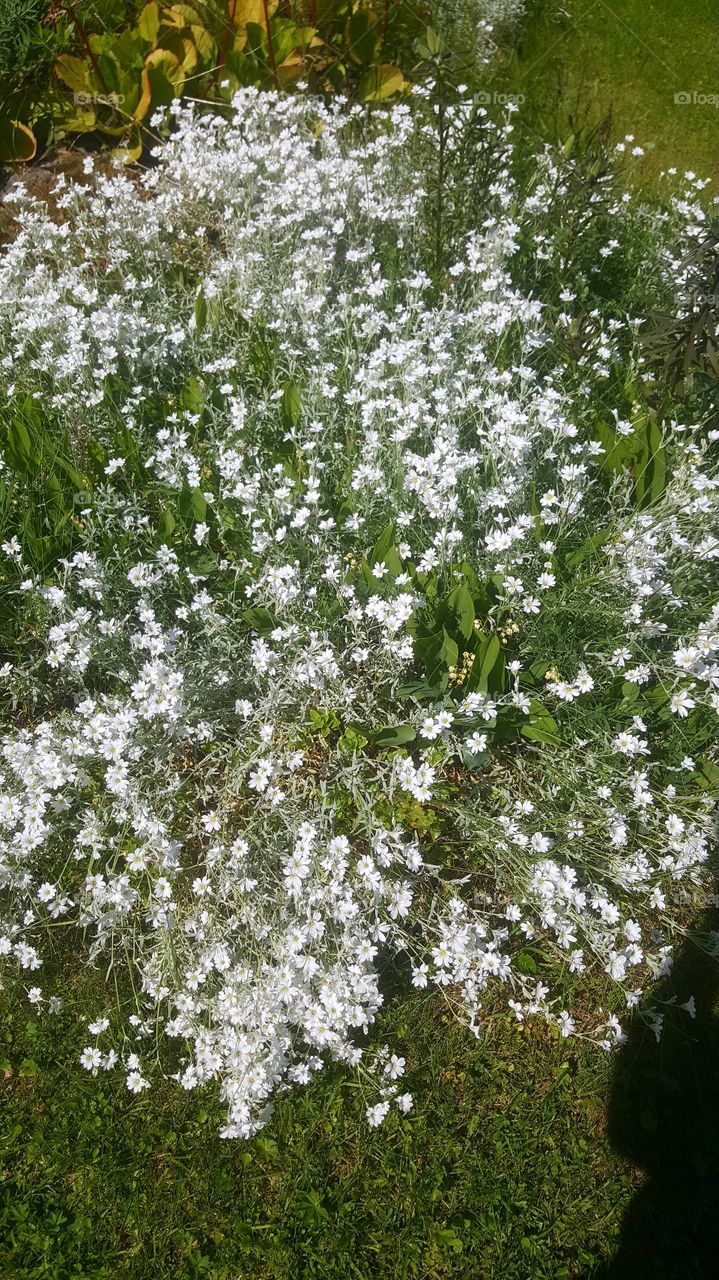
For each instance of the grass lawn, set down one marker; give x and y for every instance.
(502, 1170)
(525, 1156)
(579, 62)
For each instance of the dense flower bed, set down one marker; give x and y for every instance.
(366, 628)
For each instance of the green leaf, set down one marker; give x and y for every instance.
(291, 405)
(385, 552)
(437, 653)
(537, 733)
(487, 671)
(418, 689)
(364, 36)
(656, 697)
(447, 1237)
(163, 80)
(166, 527)
(200, 311)
(526, 963)
(74, 72)
(28, 1068)
(192, 395)
(76, 478)
(433, 42)
(393, 735)
(458, 611)
(57, 499)
(192, 505)
(352, 740)
(20, 446)
(542, 726)
(651, 468)
(708, 775)
(380, 82)
(148, 23)
(475, 759)
(259, 619)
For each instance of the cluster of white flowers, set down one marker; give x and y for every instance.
(304, 447)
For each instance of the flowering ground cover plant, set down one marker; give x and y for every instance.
(361, 593)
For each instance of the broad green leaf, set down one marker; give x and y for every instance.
(200, 311)
(259, 619)
(487, 671)
(417, 689)
(380, 82)
(385, 551)
(148, 23)
(437, 653)
(364, 36)
(537, 733)
(20, 447)
(76, 73)
(291, 405)
(352, 740)
(433, 42)
(542, 727)
(162, 81)
(708, 775)
(393, 735)
(192, 505)
(459, 611)
(76, 478)
(192, 395)
(650, 469)
(166, 526)
(448, 651)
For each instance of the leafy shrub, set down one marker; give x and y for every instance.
(124, 64)
(360, 603)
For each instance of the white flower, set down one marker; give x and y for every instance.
(376, 1114)
(681, 703)
(565, 1023)
(430, 728)
(135, 1082)
(395, 1067)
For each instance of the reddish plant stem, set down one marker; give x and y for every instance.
(270, 48)
(222, 52)
(69, 9)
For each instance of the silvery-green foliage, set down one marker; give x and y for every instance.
(236, 763)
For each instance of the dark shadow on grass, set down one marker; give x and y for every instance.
(664, 1119)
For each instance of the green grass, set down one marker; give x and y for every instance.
(525, 1156)
(581, 62)
(501, 1170)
